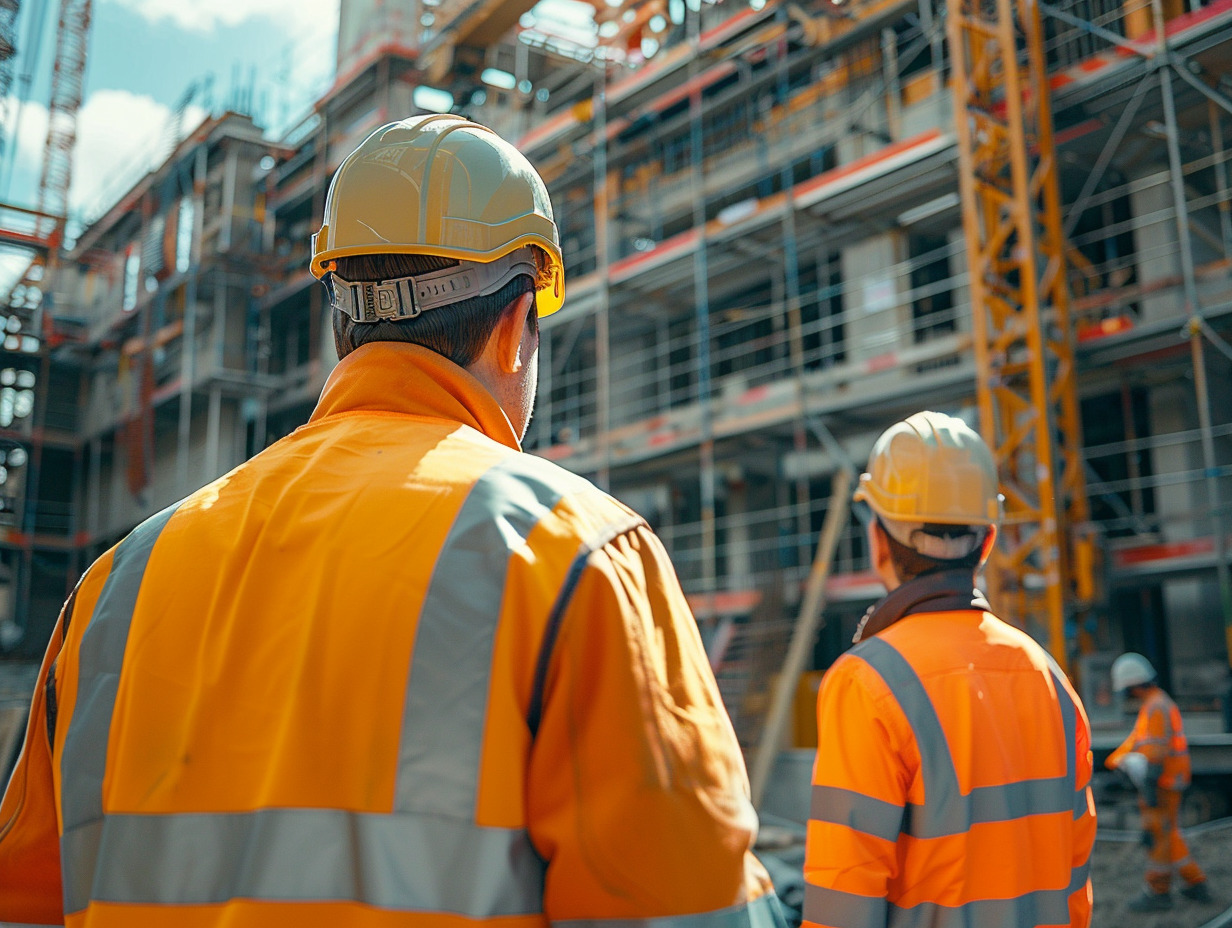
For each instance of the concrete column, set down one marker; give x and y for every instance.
(958, 268)
(1150, 199)
(212, 434)
(877, 318)
(1172, 410)
(94, 488)
(739, 557)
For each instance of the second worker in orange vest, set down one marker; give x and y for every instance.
(1155, 758)
(953, 764)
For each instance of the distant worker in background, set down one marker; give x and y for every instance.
(953, 764)
(1155, 759)
(391, 671)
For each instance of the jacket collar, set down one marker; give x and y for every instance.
(408, 379)
(939, 591)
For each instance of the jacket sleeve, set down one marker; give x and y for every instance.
(865, 764)
(1154, 736)
(1149, 738)
(638, 797)
(1081, 899)
(29, 835)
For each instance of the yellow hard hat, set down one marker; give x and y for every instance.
(932, 468)
(440, 185)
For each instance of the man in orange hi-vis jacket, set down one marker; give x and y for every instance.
(1155, 758)
(391, 672)
(953, 762)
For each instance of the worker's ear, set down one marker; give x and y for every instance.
(990, 541)
(516, 334)
(879, 555)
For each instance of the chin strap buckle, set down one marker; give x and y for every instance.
(402, 298)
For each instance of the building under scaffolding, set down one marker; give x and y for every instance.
(763, 233)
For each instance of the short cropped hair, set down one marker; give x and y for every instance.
(459, 331)
(910, 563)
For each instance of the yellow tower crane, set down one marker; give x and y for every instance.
(1023, 338)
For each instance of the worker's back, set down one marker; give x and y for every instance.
(985, 750)
(332, 666)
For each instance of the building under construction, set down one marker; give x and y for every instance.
(781, 234)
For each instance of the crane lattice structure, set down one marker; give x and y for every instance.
(8, 52)
(67, 79)
(1023, 338)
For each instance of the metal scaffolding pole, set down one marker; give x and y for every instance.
(1193, 309)
(188, 353)
(1221, 178)
(701, 297)
(791, 279)
(603, 370)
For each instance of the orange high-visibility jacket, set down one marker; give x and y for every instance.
(1159, 736)
(952, 782)
(389, 672)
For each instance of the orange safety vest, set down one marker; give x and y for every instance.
(390, 672)
(951, 785)
(1160, 736)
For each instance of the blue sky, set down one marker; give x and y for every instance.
(143, 55)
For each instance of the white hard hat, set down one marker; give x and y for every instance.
(1131, 670)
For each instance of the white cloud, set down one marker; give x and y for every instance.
(206, 15)
(120, 136)
(27, 151)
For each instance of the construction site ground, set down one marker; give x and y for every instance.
(1117, 876)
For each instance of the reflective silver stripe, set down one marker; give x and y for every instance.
(411, 862)
(100, 658)
(848, 910)
(447, 692)
(946, 810)
(943, 812)
(865, 814)
(843, 910)
(1069, 722)
(762, 912)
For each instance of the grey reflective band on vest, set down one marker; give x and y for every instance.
(100, 657)
(865, 814)
(407, 862)
(447, 692)
(762, 912)
(848, 910)
(946, 810)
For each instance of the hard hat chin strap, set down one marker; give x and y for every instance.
(401, 298)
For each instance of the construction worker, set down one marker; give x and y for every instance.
(1155, 759)
(391, 671)
(953, 764)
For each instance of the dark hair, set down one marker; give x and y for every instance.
(910, 563)
(459, 331)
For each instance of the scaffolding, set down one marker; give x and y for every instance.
(762, 225)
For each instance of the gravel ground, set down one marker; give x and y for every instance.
(1117, 869)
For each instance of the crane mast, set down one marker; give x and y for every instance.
(67, 80)
(1023, 339)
